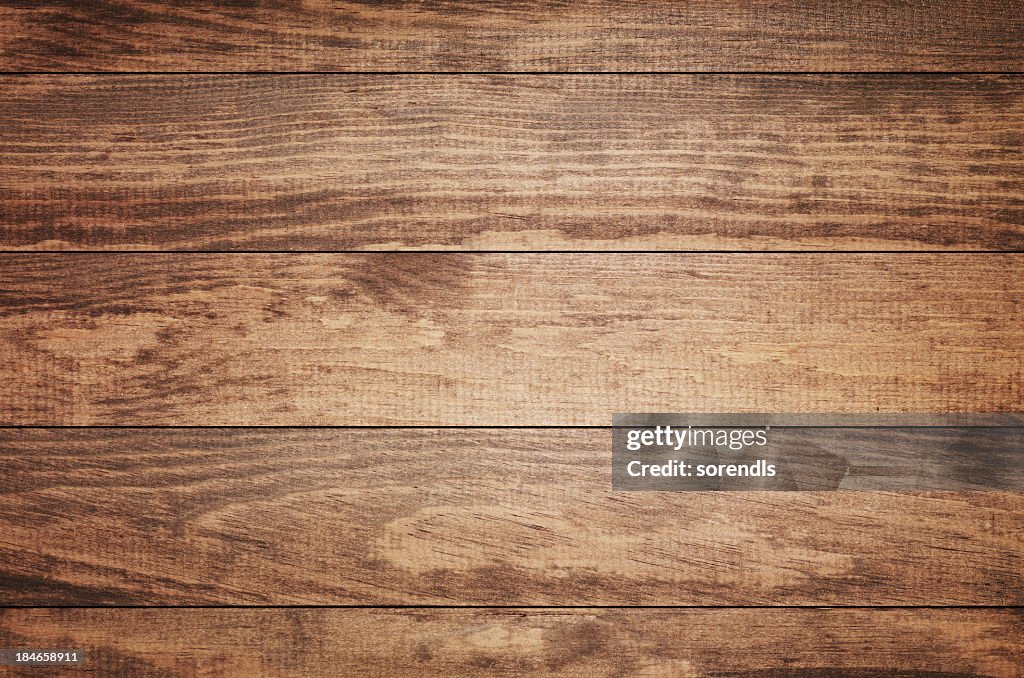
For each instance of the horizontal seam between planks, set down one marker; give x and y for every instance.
(465, 252)
(511, 607)
(599, 427)
(543, 73)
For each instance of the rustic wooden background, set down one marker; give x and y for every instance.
(313, 316)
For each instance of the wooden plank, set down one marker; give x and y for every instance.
(551, 35)
(587, 643)
(510, 339)
(457, 517)
(498, 163)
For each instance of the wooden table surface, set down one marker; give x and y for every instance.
(314, 316)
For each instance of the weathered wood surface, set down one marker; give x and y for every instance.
(551, 35)
(459, 517)
(509, 339)
(603, 162)
(585, 643)
(629, 157)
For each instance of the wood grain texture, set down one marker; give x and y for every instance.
(487, 339)
(550, 35)
(586, 643)
(457, 517)
(512, 339)
(504, 162)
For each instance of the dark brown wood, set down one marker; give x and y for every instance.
(535, 163)
(586, 643)
(457, 517)
(513, 339)
(550, 35)
(424, 130)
